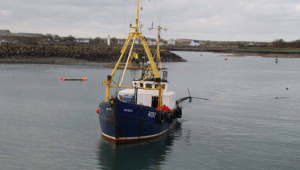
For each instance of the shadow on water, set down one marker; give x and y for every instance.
(143, 155)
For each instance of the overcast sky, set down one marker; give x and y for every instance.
(258, 20)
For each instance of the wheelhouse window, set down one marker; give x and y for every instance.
(148, 85)
(163, 86)
(141, 85)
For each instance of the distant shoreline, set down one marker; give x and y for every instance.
(266, 55)
(241, 52)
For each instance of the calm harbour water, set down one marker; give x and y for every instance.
(49, 124)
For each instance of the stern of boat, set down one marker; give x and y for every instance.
(107, 120)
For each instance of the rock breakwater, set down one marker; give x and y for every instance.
(72, 54)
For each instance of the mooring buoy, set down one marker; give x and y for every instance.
(74, 79)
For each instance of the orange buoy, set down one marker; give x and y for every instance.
(225, 59)
(61, 78)
(98, 110)
(84, 78)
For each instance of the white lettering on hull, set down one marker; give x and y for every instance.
(128, 110)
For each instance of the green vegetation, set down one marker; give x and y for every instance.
(280, 43)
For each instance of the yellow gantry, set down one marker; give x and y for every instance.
(135, 35)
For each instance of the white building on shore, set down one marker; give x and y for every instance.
(83, 40)
(108, 40)
(151, 41)
(171, 42)
(195, 43)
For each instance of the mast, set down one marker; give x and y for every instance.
(159, 28)
(157, 48)
(134, 35)
(137, 16)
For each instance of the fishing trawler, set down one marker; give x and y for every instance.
(146, 108)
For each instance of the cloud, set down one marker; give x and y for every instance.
(261, 20)
(4, 13)
(297, 7)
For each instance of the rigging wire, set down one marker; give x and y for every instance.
(141, 25)
(133, 12)
(121, 72)
(120, 77)
(132, 19)
(125, 19)
(157, 16)
(166, 34)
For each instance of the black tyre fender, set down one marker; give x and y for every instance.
(179, 112)
(170, 117)
(175, 113)
(160, 117)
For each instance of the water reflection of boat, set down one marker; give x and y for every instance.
(143, 155)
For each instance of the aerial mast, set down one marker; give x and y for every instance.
(137, 17)
(159, 28)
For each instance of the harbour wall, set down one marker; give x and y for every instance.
(65, 54)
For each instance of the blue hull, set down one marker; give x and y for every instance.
(127, 122)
